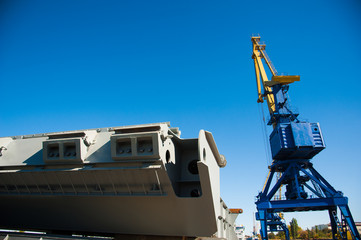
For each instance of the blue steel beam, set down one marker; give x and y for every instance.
(312, 190)
(345, 211)
(321, 184)
(276, 186)
(314, 172)
(268, 184)
(314, 204)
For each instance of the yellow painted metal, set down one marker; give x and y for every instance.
(282, 80)
(259, 53)
(259, 89)
(268, 61)
(264, 185)
(261, 76)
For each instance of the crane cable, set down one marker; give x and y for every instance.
(265, 142)
(264, 133)
(267, 150)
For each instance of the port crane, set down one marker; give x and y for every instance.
(293, 144)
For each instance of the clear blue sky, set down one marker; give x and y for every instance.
(68, 65)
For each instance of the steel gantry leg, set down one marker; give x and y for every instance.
(262, 217)
(327, 198)
(331, 213)
(272, 221)
(345, 212)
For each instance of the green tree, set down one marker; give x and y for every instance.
(315, 234)
(303, 234)
(309, 233)
(281, 235)
(325, 233)
(294, 228)
(271, 235)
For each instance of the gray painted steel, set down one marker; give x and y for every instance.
(141, 179)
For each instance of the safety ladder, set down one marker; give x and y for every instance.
(341, 226)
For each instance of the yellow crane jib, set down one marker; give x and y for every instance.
(259, 53)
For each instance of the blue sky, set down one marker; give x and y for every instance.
(67, 65)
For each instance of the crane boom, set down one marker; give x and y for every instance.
(259, 53)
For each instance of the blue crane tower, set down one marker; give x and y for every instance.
(293, 144)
